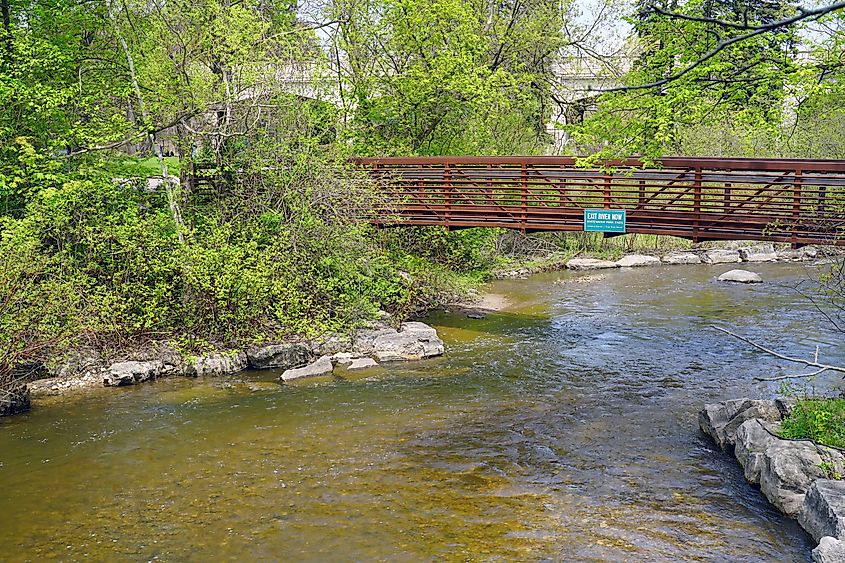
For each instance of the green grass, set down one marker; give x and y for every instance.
(820, 420)
(150, 166)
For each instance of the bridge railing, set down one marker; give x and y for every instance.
(797, 201)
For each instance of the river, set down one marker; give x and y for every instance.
(561, 428)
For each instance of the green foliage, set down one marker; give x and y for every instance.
(820, 420)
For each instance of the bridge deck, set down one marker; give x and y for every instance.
(795, 201)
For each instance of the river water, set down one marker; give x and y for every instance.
(562, 428)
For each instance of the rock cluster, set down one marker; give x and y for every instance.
(792, 474)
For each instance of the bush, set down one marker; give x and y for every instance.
(820, 420)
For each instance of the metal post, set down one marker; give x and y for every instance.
(696, 205)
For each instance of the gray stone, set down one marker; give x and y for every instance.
(362, 363)
(330, 345)
(130, 373)
(217, 364)
(788, 470)
(413, 341)
(322, 366)
(364, 339)
(758, 253)
(752, 440)
(829, 550)
(15, 400)
(797, 255)
(284, 356)
(721, 257)
(823, 511)
(637, 260)
(590, 264)
(343, 358)
(721, 420)
(740, 276)
(681, 258)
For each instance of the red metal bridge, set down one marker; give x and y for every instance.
(795, 201)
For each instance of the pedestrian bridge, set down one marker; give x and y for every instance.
(794, 201)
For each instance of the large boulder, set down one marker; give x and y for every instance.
(132, 372)
(363, 341)
(788, 469)
(721, 420)
(829, 550)
(721, 257)
(217, 364)
(823, 511)
(758, 253)
(636, 260)
(413, 341)
(740, 276)
(322, 366)
(15, 400)
(283, 356)
(753, 437)
(590, 264)
(681, 258)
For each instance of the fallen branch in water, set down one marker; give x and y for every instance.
(814, 363)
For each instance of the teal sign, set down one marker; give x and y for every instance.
(604, 220)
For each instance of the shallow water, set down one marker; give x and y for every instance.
(563, 428)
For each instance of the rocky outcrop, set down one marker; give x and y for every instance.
(14, 400)
(788, 470)
(823, 511)
(590, 264)
(637, 260)
(752, 438)
(413, 341)
(362, 363)
(829, 550)
(222, 363)
(740, 276)
(721, 257)
(758, 253)
(279, 356)
(681, 258)
(130, 373)
(721, 420)
(322, 366)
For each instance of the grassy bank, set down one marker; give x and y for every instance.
(820, 420)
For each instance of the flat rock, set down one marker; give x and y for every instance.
(721, 420)
(636, 260)
(284, 356)
(758, 253)
(590, 264)
(132, 372)
(362, 363)
(829, 550)
(413, 341)
(222, 363)
(681, 258)
(740, 276)
(753, 437)
(721, 257)
(823, 511)
(322, 366)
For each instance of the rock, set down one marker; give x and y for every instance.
(721, 420)
(752, 440)
(217, 364)
(636, 260)
(800, 254)
(130, 373)
(322, 366)
(808, 252)
(284, 356)
(829, 550)
(15, 400)
(681, 258)
(362, 363)
(758, 253)
(476, 315)
(740, 276)
(343, 358)
(788, 470)
(590, 264)
(364, 339)
(785, 405)
(333, 344)
(721, 257)
(413, 341)
(823, 511)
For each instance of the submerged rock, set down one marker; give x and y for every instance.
(721, 257)
(322, 366)
(740, 276)
(636, 260)
(590, 264)
(721, 420)
(829, 550)
(823, 511)
(284, 356)
(15, 400)
(681, 258)
(132, 372)
(413, 341)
